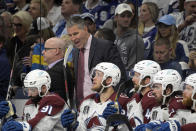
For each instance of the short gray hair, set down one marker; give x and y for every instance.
(76, 20)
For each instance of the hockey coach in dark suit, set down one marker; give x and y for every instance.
(88, 53)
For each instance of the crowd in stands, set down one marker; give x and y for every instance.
(40, 34)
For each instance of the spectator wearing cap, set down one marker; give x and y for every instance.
(129, 43)
(167, 29)
(186, 23)
(147, 19)
(90, 22)
(111, 23)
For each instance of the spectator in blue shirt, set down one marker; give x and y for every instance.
(162, 55)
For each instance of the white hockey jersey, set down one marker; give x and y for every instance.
(164, 114)
(46, 115)
(91, 110)
(185, 117)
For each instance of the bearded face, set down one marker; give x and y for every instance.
(187, 101)
(187, 93)
(35, 99)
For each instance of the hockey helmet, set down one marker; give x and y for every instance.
(109, 70)
(36, 79)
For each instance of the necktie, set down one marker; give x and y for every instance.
(80, 80)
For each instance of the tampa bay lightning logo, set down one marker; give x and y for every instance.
(147, 42)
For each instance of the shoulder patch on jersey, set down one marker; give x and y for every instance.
(51, 104)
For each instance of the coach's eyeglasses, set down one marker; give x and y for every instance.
(46, 49)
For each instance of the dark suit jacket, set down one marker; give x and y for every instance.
(101, 51)
(58, 80)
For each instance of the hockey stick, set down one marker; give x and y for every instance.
(8, 97)
(69, 49)
(9, 91)
(119, 117)
(122, 88)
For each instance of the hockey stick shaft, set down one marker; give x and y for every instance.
(121, 88)
(67, 53)
(11, 73)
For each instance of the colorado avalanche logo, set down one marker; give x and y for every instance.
(93, 122)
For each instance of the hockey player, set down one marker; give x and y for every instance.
(95, 108)
(42, 111)
(187, 118)
(166, 89)
(142, 101)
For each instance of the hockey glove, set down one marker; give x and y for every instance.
(67, 118)
(153, 125)
(171, 125)
(4, 108)
(111, 109)
(140, 128)
(16, 126)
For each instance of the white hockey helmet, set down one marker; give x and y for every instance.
(168, 77)
(191, 80)
(36, 79)
(109, 70)
(146, 68)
